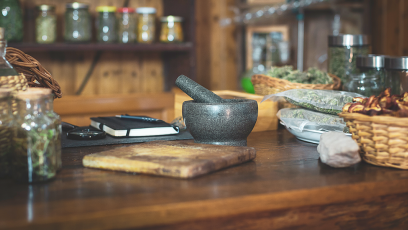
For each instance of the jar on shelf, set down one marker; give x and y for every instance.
(370, 79)
(77, 23)
(11, 19)
(46, 24)
(106, 24)
(34, 158)
(343, 50)
(396, 72)
(146, 17)
(127, 25)
(6, 125)
(171, 29)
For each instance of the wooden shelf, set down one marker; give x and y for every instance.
(160, 47)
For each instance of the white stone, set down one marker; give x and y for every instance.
(338, 150)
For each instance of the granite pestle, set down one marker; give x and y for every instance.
(197, 91)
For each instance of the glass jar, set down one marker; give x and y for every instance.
(126, 25)
(396, 72)
(106, 24)
(11, 19)
(48, 98)
(34, 157)
(370, 79)
(46, 24)
(5, 67)
(146, 17)
(6, 125)
(343, 50)
(171, 29)
(77, 23)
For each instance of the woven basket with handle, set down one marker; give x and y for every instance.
(15, 83)
(383, 140)
(265, 85)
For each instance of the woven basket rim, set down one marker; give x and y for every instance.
(262, 78)
(380, 119)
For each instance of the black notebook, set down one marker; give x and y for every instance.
(121, 127)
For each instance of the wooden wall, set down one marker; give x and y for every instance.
(115, 73)
(390, 27)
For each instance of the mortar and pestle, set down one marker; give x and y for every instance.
(213, 120)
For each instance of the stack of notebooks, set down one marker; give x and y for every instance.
(128, 127)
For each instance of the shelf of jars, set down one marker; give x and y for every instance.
(161, 47)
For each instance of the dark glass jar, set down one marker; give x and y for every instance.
(343, 50)
(6, 125)
(106, 24)
(370, 79)
(396, 70)
(34, 157)
(127, 25)
(11, 19)
(77, 23)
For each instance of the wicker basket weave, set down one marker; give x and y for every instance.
(265, 85)
(16, 83)
(383, 140)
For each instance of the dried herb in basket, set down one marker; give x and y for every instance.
(311, 76)
(383, 104)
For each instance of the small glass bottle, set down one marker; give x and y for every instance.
(127, 25)
(11, 18)
(77, 23)
(370, 79)
(5, 68)
(46, 24)
(396, 71)
(34, 158)
(6, 125)
(171, 29)
(146, 17)
(343, 50)
(106, 24)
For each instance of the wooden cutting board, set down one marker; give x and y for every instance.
(182, 159)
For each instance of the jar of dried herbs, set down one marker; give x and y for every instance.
(106, 24)
(370, 79)
(11, 19)
(343, 50)
(34, 157)
(6, 125)
(171, 29)
(396, 72)
(46, 24)
(77, 23)
(146, 17)
(126, 25)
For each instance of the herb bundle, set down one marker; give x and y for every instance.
(311, 76)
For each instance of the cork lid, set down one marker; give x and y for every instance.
(5, 92)
(1, 33)
(33, 93)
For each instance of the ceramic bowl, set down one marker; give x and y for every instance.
(227, 123)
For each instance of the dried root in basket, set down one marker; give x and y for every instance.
(383, 104)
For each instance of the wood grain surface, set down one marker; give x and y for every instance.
(285, 187)
(181, 159)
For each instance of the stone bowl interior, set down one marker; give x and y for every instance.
(227, 123)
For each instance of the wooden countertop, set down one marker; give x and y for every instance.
(286, 186)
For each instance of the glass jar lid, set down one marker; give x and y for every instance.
(126, 10)
(171, 18)
(146, 10)
(348, 40)
(370, 61)
(77, 5)
(39, 90)
(109, 9)
(397, 63)
(46, 8)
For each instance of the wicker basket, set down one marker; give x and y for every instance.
(383, 140)
(265, 85)
(16, 83)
